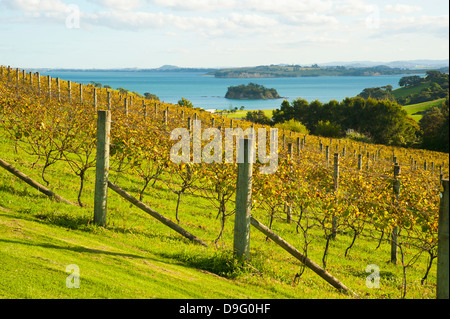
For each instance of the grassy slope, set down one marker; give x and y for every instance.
(405, 91)
(137, 257)
(420, 107)
(134, 257)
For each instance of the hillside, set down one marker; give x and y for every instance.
(135, 256)
(416, 89)
(416, 111)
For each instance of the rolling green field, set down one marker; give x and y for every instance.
(405, 91)
(421, 107)
(137, 257)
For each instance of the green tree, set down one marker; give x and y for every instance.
(434, 127)
(378, 93)
(327, 129)
(184, 102)
(284, 113)
(122, 90)
(96, 84)
(294, 126)
(258, 117)
(150, 96)
(410, 80)
(389, 124)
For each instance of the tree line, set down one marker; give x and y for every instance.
(380, 121)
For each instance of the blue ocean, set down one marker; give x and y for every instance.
(208, 92)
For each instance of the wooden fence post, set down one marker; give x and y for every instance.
(290, 150)
(38, 75)
(396, 189)
(289, 202)
(243, 200)
(17, 78)
(368, 159)
(108, 97)
(69, 91)
(442, 258)
(49, 82)
(58, 89)
(336, 185)
(144, 108)
(95, 99)
(102, 167)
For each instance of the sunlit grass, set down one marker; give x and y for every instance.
(135, 256)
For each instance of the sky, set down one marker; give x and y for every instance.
(218, 33)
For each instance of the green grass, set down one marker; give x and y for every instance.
(242, 114)
(405, 91)
(137, 257)
(420, 107)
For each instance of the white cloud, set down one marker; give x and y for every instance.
(126, 5)
(251, 20)
(288, 6)
(407, 24)
(312, 19)
(35, 5)
(198, 5)
(401, 8)
(352, 8)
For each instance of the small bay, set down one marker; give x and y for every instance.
(209, 92)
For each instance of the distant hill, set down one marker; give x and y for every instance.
(274, 71)
(168, 67)
(410, 64)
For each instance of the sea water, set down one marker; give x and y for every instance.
(208, 92)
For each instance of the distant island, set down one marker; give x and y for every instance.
(275, 71)
(251, 91)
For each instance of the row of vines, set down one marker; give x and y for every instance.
(55, 121)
